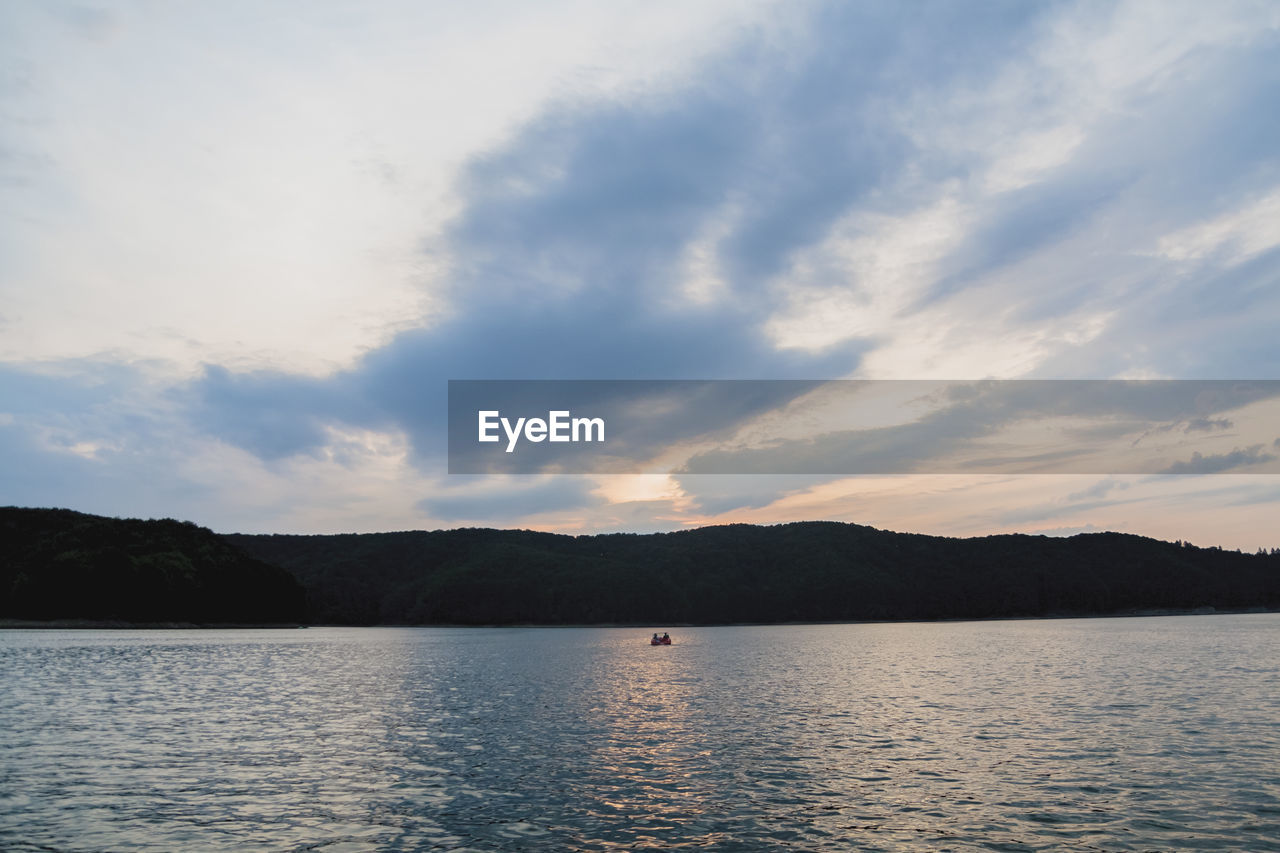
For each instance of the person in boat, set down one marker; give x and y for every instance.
(666, 638)
(655, 638)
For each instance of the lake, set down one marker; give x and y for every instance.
(1158, 733)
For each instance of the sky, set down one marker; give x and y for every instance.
(244, 247)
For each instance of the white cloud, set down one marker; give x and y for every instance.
(871, 268)
(1024, 158)
(702, 279)
(1236, 236)
(254, 184)
(270, 185)
(360, 481)
(1055, 110)
(960, 340)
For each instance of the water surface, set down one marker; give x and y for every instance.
(1101, 734)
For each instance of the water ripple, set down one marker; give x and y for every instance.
(1127, 734)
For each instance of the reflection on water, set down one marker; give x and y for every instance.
(1122, 734)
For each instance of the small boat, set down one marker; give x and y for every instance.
(664, 640)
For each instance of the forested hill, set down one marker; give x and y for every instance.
(57, 564)
(814, 571)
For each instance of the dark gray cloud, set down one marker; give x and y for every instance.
(643, 418)
(273, 415)
(970, 411)
(33, 476)
(65, 388)
(1201, 322)
(1022, 222)
(570, 242)
(572, 234)
(89, 435)
(1207, 424)
(790, 135)
(1191, 149)
(1218, 462)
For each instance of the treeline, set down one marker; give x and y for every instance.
(56, 564)
(59, 564)
(813, 571)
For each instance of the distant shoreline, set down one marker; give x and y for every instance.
(67, 570)
(99, 625)
(111, 624)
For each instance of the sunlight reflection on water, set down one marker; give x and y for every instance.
(1118, 734)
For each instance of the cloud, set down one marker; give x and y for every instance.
(712, 494)
(248, 163)
(1240, 234)
(847, 427)
(273, 415)
(1099, 490)
(93, 23)
(1207, 424)
(815, 192)
(1057, 509)
(498, 502)
(1219, 462)
(92, 435)
(1022, 223)
(1253, 495)
(1080, 427)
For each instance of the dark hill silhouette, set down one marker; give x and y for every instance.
(57, 564)
(811, 571)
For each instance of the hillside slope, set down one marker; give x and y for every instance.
(59, 564)
(811, 571)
